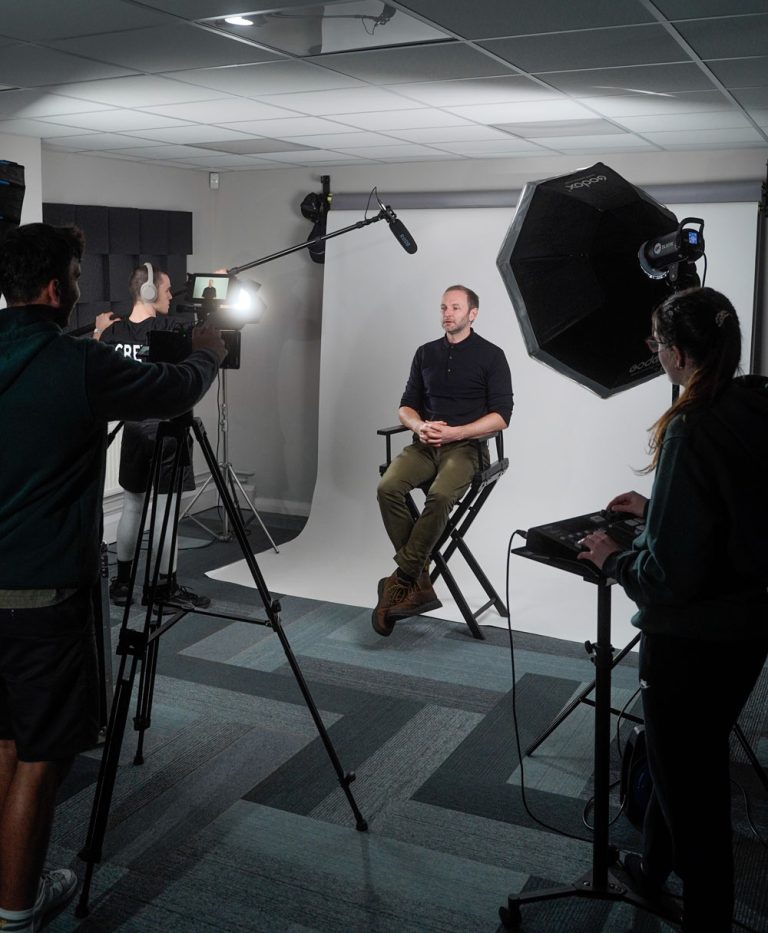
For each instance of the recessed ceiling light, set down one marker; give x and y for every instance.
(238, 21)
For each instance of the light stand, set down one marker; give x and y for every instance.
(230, 476)
(599, 883)
(228, 471)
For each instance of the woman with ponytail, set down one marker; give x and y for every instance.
(698, 574)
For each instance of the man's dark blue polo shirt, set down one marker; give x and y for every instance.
(459, 382)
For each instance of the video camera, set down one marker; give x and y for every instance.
(222, 300)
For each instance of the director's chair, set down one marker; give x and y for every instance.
(459, 522)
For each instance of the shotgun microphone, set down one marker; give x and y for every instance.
(399, 230)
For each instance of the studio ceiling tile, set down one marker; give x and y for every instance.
(497, 90)
(34, 66)
(436, 156)
(206, 9)
(221, 111)
(309, 157)
(684, 9)
(191, 134)
(437, 62)
(741, 72)
(42, 20)
(351, 100)
(41, 103)
(224, 160)
(256, 145)
(481, 149)
(485, 18)
(594, 127)
(666, 79)
(401, 119)
(138, 91)
(341, 140)
(147, 49)
(95, 141)
(270, 78)
(37, 128)
(394, 150)
(523, 112)
(115, 121)
(591, 48)
(648, 104)
(727, 36)
(704, 138)
(153, 153)
(450, 134)
(752, 96)
(287, 127)
(717, 119)
(600, 143)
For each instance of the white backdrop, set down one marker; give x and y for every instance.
(569, 450)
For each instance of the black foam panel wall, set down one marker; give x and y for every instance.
(117, 240)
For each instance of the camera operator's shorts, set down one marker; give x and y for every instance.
(49, 682)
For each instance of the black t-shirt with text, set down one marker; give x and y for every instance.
(132, 340)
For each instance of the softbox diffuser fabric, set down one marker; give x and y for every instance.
(569, 263)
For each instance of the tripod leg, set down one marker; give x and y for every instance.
(92, 850)
(143, 718)
(749, 752)
(272, 609)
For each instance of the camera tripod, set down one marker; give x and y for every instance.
(141, 646)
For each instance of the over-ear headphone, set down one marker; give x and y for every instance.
(148, 292)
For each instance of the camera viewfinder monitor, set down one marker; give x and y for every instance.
(203, 287)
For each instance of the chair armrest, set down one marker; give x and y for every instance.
(395, 429)
(498, 436)
(387, 433)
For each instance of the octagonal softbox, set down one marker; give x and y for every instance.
(569, 262)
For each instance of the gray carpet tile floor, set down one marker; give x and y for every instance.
(237, 821)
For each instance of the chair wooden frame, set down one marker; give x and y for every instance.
(459, 522)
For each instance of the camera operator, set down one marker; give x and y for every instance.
(56, 396)
(150, 291)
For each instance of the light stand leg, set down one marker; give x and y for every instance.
(598, 883)
(230, 474)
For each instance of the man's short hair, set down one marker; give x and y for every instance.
(139, 277)
(33, 255)
(472, 300)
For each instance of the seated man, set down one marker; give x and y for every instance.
(459, 389)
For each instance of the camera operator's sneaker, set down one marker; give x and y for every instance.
(119, 591)
(181, 594)
(55, 890)
(171, 595)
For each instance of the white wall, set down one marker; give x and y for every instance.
(273, 399)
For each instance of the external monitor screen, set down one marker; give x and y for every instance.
(208, 286)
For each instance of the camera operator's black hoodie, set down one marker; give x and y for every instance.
(700, 569)
(56, 396)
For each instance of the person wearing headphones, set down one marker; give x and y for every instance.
(150, 291)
